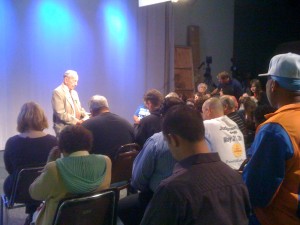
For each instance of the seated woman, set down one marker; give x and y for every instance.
(76, 173)
(259, 95)
(29, 148)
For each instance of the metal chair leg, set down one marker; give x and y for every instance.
(2, 211)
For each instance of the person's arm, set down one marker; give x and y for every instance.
(8, 157)
(141, 132)
(265, 171)
(42, 188)
(214, 92)
(136, 119)
(165, 208)
(54, 154)
(143, 166)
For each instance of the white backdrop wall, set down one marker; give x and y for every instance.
(215, 19)
(117, 49)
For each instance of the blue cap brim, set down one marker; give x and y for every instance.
(291, 84)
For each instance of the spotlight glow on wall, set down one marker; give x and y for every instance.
(150, 2)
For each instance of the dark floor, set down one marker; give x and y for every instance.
(12, 216)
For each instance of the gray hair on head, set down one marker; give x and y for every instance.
(97, 102)
(70, 73)
(172, 94)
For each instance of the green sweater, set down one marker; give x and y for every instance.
(82, 174)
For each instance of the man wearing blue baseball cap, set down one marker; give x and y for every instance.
(273, 172)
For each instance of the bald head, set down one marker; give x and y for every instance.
(212, 108)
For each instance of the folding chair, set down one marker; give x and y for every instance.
(92, 209)
(20, 191)
(122, 165)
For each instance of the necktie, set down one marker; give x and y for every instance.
(77, 113)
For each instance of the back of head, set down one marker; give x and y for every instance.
(215, 107)
(154, 96)
(172, 94)
(227, 103)
(285, 70)
(31, 117)
(249, 104)
(75, 138)
(170, 102)
(97, 103)
(184, 122)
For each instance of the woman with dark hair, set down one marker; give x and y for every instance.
(259, 95)
(29, 148)
(77, 172)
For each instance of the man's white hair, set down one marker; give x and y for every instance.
(70, 73)
(97, 102)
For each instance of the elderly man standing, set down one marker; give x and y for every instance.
(273, 173)
(66, 106)
(223, 134)
(110, 131)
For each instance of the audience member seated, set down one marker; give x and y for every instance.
(151, 124)
(231, 111)
(77, 172)
(223, 134)
(202, 189)
(202, 90)
(190, 102)
(153, 164)
(257, 94)
(199, 100)
(260, 112)
(259, 117)
(172, 94)
(109, 130)
(141, 112)
(29, 148)
(247, 113)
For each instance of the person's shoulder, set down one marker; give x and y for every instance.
(157, 136)
(118, 117)
(51, 167)
(59, 88)
(14, 138)
(211, 122)
(51, 137)
(271, 128)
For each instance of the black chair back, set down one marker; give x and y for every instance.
(20, 191)
(92, 209)
(122, 163)
(25, 178)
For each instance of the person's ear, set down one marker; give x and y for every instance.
(173, 140)
(274, 85)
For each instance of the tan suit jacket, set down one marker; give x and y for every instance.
(49, 187)
(63, 105)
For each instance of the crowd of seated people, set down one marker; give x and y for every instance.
(187, 171)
